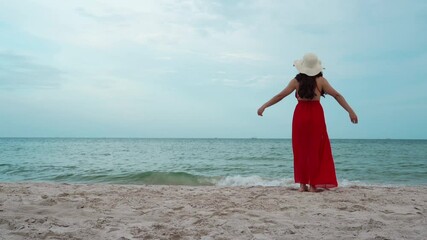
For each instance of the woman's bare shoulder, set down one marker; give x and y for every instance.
(326, 86)
(321, 79)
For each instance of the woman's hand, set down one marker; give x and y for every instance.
(353, 117)
(261, 110)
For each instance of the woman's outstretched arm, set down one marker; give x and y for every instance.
(285, 92)
(340, 99)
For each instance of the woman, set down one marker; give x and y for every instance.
(313, 161)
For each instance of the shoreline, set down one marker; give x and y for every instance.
(116, 211)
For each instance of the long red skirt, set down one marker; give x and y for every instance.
(313, 161)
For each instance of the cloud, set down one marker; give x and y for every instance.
(158, 23)
(253, 82)
(169, 25)
(102, 18)
(19, 71)
(241, 56)
(125, 54)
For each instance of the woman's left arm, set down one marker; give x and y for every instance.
(285, 92)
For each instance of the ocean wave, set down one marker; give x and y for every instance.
(187, 179)
(167, 178)
(150, 178)
(173, 178)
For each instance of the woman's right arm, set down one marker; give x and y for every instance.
(285, 92)
(340, 99)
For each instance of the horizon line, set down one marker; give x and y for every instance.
(231, 138)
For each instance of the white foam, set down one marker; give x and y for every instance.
(353, 183)
(348, 183)
(253, 181)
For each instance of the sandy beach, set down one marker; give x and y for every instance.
(102, 211)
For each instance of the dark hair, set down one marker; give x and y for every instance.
(307, 85)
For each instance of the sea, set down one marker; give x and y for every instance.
(204, 162)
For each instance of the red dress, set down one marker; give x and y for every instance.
(313, 161)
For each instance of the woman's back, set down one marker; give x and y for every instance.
(309, 88)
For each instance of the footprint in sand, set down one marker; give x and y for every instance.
(48, 202)
(353, 208)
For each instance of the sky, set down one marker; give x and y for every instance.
(201, 69)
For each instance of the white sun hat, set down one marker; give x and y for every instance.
(310, 64)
